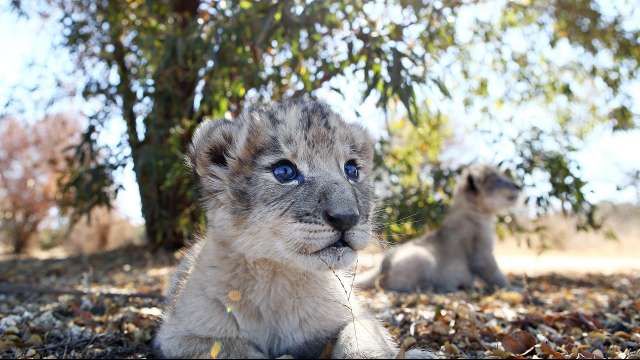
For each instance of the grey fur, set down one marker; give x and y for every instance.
(265, 282)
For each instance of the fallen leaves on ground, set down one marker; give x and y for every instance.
(551, 316)
(35, 325)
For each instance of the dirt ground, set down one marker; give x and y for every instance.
(552, 315)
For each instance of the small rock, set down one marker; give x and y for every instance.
(86, 304)
(451, 349)
(9, 321)
(27, 315)
(441, 328)
(408, 342)
(98, 310)
(11, 338)
(6, 345)
(511, 297)
(46, 320)
(35, 340)
(12, 330)
(76, 332)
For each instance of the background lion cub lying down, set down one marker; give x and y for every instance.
(288, 197)
(449, 258)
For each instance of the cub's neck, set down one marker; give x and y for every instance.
(235, 270)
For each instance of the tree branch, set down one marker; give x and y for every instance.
(124, 88)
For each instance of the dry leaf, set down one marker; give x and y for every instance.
(547, 350)
(518, 342)
(511, 297)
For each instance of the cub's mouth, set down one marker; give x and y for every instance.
(337, 254)
(338, 251)
(340, 244)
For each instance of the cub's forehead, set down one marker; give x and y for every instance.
(483, 171)
(491, 175)
(296, 118)
(308, 129)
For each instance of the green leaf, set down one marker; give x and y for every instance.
(442, 87)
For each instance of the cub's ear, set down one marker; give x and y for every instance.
(211, 145)
(471, 186)
(362, 143)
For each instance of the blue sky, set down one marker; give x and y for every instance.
(604, 159)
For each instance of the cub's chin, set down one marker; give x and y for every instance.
(332, 251)
(338, 255)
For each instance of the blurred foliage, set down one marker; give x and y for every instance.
(562, 173)
(632, 180)
(538, 165)
(417, 188)
(604, 59)
(414, 187)
(164, 66)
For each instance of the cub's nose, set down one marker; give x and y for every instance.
(341, 220)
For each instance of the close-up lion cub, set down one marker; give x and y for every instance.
(288, 197)
(461, 249)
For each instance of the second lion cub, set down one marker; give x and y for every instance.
(449, 258)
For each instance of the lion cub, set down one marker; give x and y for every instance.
(449, 258)
(288, 196)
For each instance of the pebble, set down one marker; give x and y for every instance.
(85, 305)
(11, 330)
(9, 321)
(34, 340)
(46, 320)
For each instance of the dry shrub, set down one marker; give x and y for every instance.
(32, 158)
(104, 229)
(619, 235)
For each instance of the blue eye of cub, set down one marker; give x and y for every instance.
(284, 171)
(351, 170)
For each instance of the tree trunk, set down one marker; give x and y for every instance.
(20, 239)
(167, 191)
(163, 205)
(18, 245)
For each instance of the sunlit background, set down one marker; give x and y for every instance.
(39, 76)
(99, 99)
(606, 158)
